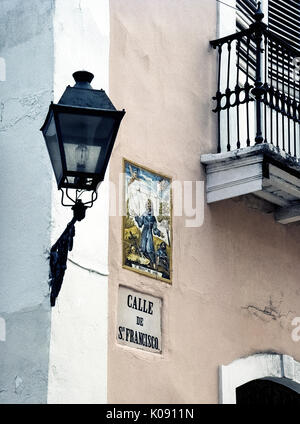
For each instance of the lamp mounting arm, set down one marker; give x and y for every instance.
(59, 251)
(75, 200)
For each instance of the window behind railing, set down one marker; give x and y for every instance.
(257, 99)
(245, 12)
(284, 20)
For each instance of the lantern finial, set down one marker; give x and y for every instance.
(83, 79)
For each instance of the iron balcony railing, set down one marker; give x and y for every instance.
(257, 99)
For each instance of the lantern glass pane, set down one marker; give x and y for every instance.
(50, 136)
(85, 139)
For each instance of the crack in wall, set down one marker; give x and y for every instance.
(271, 311)
(18, 108)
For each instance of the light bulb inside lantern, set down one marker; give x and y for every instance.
(81, 155)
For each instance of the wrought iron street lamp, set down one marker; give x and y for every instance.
(79, 132)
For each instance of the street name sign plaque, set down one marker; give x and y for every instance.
(139, 320)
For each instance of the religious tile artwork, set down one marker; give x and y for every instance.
(147, 224)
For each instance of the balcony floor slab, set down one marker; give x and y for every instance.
(262, 170)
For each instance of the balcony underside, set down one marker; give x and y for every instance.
(260, 170)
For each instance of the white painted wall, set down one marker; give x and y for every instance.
(78, 348)
(26, 81)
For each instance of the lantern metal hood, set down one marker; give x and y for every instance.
(80, 132)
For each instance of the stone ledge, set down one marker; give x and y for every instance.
(261, 170)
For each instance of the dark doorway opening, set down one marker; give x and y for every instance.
(266, 392)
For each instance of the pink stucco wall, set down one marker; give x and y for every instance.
(235, 284)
